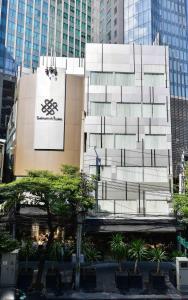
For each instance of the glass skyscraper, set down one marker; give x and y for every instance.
(161, 22)
(41, 27)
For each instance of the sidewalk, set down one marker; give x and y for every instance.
(106, 287)
(115, 296)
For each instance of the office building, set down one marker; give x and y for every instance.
(30, 29)
(114, 123)
(8, 71)
(95, 21)
(164, 23)
(36, 28)
(111, 21)
(128, 128)
(69, 27)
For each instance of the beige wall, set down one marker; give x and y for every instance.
(26, 158)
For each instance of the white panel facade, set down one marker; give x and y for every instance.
(127, 125)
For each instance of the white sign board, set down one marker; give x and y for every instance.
(49, 111)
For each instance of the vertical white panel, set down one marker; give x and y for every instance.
(49, 111)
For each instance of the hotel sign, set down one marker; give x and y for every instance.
(49, 111)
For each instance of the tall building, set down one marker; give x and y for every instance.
(164, 23)
(127, 129)
(36, 28)
(95, 21)
(8, 71)
(30, 29)
(111, 21)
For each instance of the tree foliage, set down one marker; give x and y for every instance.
(57, 194)
(7, 243)
(137, 251)
(180, 201)
(181, 206)
(61, 195)
(118, 248)
(157, 254)
(89, 250)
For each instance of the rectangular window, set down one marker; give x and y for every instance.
(129, 110)
(117, 79)
(158, 142)
(154, 79)
(104, 141)
(100, 109)
(123, 141)
(154, 111)
(131, 174)
(155, 175)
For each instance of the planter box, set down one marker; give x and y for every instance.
(24, 280)
(135, 281)
(172, 277)
(157, 281)
(88, 278)
(122, 280)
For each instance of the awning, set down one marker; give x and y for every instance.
(134, 228)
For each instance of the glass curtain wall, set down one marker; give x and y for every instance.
(161, 22)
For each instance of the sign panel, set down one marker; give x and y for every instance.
(49, 111)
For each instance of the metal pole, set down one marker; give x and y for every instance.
(182, 175)
(78, 250)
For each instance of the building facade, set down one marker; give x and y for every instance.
(30, 29)
(42, 27)
(110, 115)
(48, 117)
(127, 129)
(161, 22)
(165, 23)
(111, 22)
(95, 21)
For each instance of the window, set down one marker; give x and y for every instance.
(154, 111)
(102, 141)
(125, 141)
(100, 109)
(131, 174)
(155, 174)
(156, 142)
(117, 79)
(154, 80)
(129, 110)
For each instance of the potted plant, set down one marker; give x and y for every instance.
(119, 252)
(137, 251)
(157, 279)
(88, 272)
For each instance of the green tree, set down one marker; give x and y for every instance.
(118, 249)
(62, 196)
(7, 243)
(181, 206)
(180, 202)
